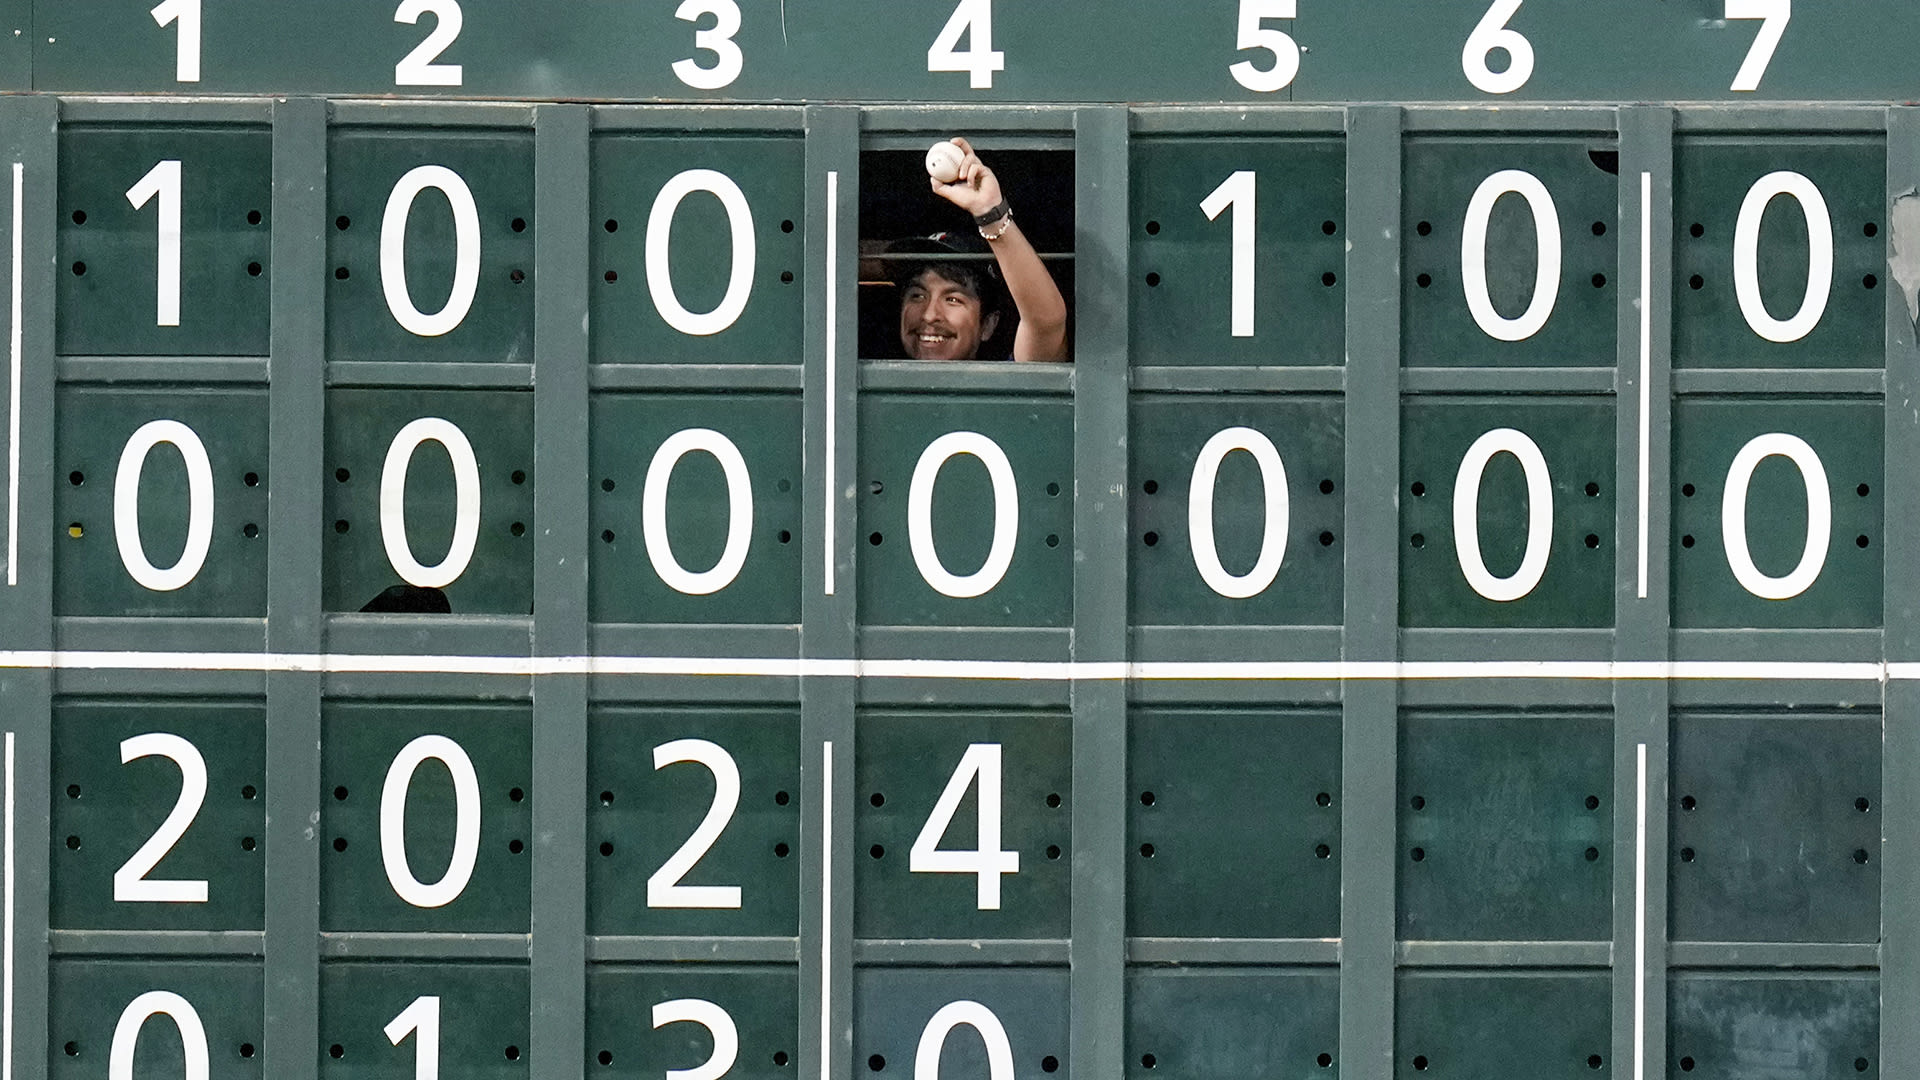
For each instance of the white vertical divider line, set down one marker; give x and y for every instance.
(826, 906)
(6, 943)
(13, 390)
(1646, 363)
(833, 362)
(1640, 916)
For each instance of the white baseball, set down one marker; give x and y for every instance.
(943, 162)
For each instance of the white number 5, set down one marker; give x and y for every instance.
(1286, 54)
(1773, 16)
(717, 40)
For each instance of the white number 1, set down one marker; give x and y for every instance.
(988, 862)
(975, 19)
(420, 1019)
(1236, 192)
(1774, 16)
(186, 50)
(164, 180)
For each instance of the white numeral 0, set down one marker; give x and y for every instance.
(186, 49)
(727, 58)
(466, 250)
(466, 502)
(126, 1034)
(1733, 516)
(1286, 54)
(1746, 256)
(130, 882)
(653, 511)
(933, 1039)
(726, 1037)
(417, 68)
(663, 888)
(1466, 515)
(126, 505)
(163, 180)
(421, 1018)
(1273, 544)
(1006, 514)
(987, 862)
(660, 270)
(1473, 255)
(466, 821)
(1492, 33)
(1237, 193)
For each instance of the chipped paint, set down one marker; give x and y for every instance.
(1903, 262)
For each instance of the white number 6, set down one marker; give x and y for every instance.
(1491, 34)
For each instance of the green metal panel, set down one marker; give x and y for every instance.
(1167, 434)
(1707, 434)
(1506, 826)
(627, 433)
(1745, 1025)
(1181, 288)
(483, 1019)
(639, 816)
(1442, 175)
(1234, 823)
(1712, 176)
(623, 1041)
(1037, 437)
(88, 997)
(1232, 1024)
(1776, 827)
(1549, 1025)
(629, 173)
(361, 426)
(359, 743)
(1575, 437)
(891, 1008)
(109, 250)
(104, 811)
(496, 167)
(903, 762)
(95, 425)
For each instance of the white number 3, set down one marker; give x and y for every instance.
(717, 39)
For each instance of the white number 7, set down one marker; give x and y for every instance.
(1774, 16)
(988, 861)
(187, 46)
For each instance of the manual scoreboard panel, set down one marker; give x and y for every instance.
(482, 600)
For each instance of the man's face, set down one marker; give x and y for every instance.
(940, 319)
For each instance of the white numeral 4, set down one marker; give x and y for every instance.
(1491, 34)
(718, 40)
(163, 180)
(422, 1018)
(988, 862)
(973, 18)
(417, 68)
(130, 881)
(1236, 192)
(1774, 16)
(1252, 35)
(186, 49)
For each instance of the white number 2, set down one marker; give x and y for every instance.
(975, 19)
(663, 888)
(1774, 16)
(1236, 192)
(163, 180)
(988, 862)
(1252, 35)
(1492, 33)
(417, 68)
(718, 40)
(130, 882)
(186, 49)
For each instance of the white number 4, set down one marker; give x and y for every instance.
(1773, 16)
(1252, 35)
(988, 862)
(973, 18)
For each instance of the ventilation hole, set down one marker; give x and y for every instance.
(250, 530)
(876, 1063)
(1593, 489)
(1054, 541)
(340, 794)
(611, 276)
(604, 1057)
(249, 792)
(1153, 228)
(1326, 539)
(1146, 798)
(1696, 230)
(1688, 803)
(1423, 280)
(1150, 487)
(1424, 228)
(339, 843)
(1419, 854)
(1860, 856)
(1599, 228)
(1870, 282)
(1859, 1064)
(518, 528)
(1053, 489)
(1329, 228)
(1686, 541)
(606, 847)
(780, 1057)
(513, 1053)
(1599, 281)
(336, 1051)
(786, 225)
(780, 850)
(874, 539)
(515, 847)
(1325, 798)
(783, 484)
(1419, 489)
(518, 225)
(1418, 540)
(1594, 1061)
(1325, 1061)
(1153, 280)
(76, 530)
(1592, 541)
(606, 536)
(1049, 1064)
(1870, 229)
(876, 486)
(1861, 804)
(1146, 851)
(73, 843)
(1864, 490)
(1593, 854)
(1328, 279)
(612, 225)
(1686, 1064)
(1686, 854)
(1861, 540)
(253, 269)
(76, 478)
(519, 476)
(516, 275)
(73, 791)
(246, 1050)
(877, 799)
(342, 222)
(79, 269)
(606, 798)
(1053, 851)
(1148, 1061)
(80, 218)
(1151, 539)
(1696, 282)
(342, 475)
(877, 851)
(340, 273)
(1420, 1062)
(786, 537)
(1322, 851)
(1418, 802)
(1593, 802)
(253, 217)
(248, 843)
(73, 1049)
(342, 525)
(1326, 487)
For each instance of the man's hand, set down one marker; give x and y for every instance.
(975, 190)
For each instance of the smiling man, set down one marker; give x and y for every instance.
(950, 305)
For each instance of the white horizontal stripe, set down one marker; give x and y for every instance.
(1007, 670)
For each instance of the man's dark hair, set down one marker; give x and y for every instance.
(980, 276)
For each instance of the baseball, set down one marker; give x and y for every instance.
(943, 162)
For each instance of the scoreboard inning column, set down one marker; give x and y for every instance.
(485, 598)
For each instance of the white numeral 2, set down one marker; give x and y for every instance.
(1236, 192)
(186, 49)
(130, 881)
(1774, 16)
(417, 68)
(988, 862)
(163, 180)
(975, 19)
(663, 888)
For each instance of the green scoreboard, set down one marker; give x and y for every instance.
(484, 598)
